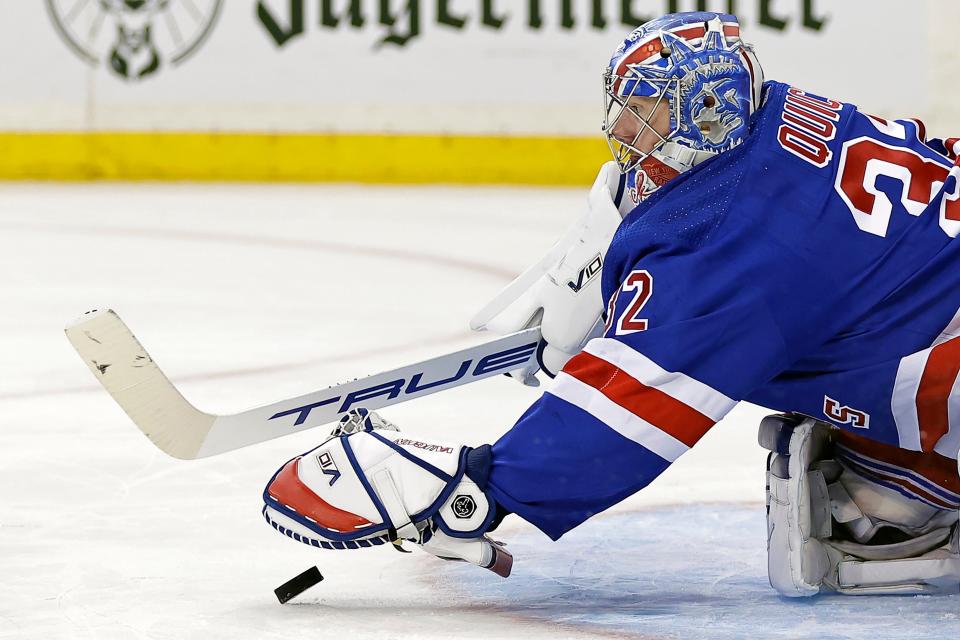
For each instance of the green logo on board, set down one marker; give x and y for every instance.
(134, 38)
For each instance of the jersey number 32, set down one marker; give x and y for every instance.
(864, 160)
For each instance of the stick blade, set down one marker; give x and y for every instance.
(128, 373)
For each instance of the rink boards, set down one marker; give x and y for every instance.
(458, 91)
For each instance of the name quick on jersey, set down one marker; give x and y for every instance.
(809, 124)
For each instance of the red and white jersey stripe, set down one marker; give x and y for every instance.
(953, 148)
(667, 412)
(926, 399)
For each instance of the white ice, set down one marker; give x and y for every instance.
(247, 294)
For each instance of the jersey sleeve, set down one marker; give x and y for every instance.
(687, 337)
(950, 147)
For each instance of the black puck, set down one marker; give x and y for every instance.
(295, 586)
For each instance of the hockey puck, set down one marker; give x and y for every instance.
(295, 586)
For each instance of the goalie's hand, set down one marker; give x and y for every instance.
(561, 292)
(368, 485)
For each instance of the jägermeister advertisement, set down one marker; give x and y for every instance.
(461, 66)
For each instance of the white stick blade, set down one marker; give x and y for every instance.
(131, 377)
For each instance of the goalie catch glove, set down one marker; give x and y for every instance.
(561, 292)
(368, 485)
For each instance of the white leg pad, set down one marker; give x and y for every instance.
(806, 499)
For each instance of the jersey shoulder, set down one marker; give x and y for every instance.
(801, 177)
(830, 156)
(683, 214)
(680, 217)
(813, 134)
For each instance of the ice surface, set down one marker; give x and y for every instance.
(248, 294)
(691, 571)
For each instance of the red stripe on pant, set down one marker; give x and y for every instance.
(935, 468)
(668, 414)
(933, 395)
(910, 488)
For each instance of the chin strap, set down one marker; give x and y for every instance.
(681, 158)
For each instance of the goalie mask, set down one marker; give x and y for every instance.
(679, 90)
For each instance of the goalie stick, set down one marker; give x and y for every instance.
(137, 384)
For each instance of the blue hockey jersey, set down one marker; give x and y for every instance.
(810, 269)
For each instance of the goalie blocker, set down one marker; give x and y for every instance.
(830, 528)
